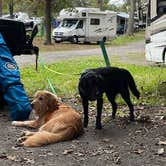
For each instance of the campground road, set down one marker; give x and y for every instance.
(130, 53)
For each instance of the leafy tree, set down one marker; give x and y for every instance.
(81, 3)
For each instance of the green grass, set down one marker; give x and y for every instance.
(124, 39)
(147, 78)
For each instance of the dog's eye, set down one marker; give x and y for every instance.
(40, 98)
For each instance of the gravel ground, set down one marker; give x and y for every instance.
(120, 142)
(124, 54)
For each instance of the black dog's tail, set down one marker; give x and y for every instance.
(133, 87)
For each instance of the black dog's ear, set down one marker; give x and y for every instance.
(85, 73)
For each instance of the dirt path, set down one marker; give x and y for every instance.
(130, 53)
(118, 143)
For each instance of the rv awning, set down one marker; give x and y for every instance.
(124, 15)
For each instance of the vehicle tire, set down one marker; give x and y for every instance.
(75, 39)
(164, 56)
(57, 41)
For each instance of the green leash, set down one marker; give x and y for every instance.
(104, 53)
(48, 80)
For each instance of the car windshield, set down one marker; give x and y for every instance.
(69, 22)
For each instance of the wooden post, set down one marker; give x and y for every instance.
(104, 53)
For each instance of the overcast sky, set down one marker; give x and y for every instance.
(116, 2)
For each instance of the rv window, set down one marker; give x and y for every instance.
(161, 7)
(69, 22)
(84, 14)
(94, 21)
(80, 25)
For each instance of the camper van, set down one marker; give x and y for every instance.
(85, 25)
(155, 47)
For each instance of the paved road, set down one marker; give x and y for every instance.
(120, 53)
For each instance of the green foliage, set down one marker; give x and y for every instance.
(147, 78)
(36, 7)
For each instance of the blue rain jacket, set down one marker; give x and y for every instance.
(11, 86)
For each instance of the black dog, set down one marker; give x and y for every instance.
(111, 80)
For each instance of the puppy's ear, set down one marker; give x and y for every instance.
(53, 103)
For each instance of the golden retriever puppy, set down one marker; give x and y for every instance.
(56, 121)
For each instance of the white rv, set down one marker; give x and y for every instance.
(85, 25)
(155, 47)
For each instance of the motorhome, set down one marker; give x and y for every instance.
(155, 47)
(85, 25)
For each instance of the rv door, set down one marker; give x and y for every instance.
(80, 30)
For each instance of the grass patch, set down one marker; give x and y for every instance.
(147, 79)
(124, 39)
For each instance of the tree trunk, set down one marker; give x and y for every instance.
(0, 8)
(100, 4)
(11, 8)
(130, 29)
(48, 21)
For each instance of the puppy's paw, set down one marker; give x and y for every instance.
(22, 139)
(17, 123)
(14, 123)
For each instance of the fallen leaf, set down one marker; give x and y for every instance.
(144, 118)
(15, 147)
(29, 161)
(106, 140)
(108, 151)
(79, 154)
(159, 117)
(140, 107)
(139, 151)
(68, 151)
(13, 158)
(50, 154)
(111, 146)
(160, 151)
(162, 142)
(117, 160)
